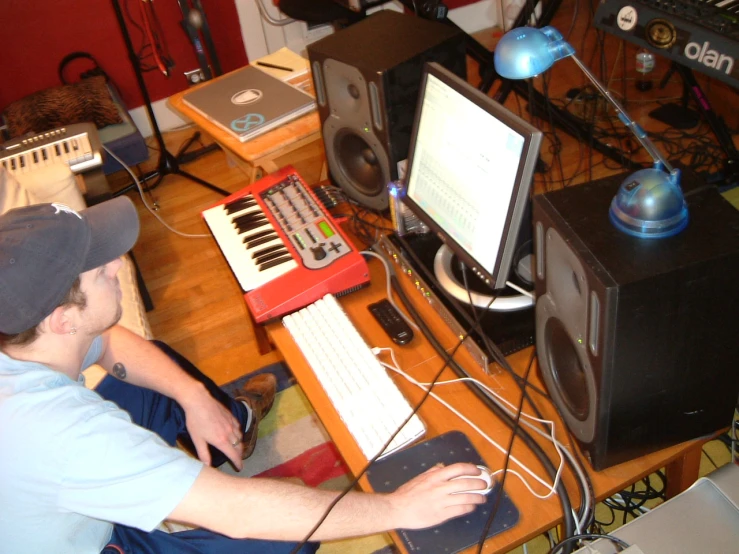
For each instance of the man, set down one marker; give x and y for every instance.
(86, 471)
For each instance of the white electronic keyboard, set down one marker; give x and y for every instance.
(365, 397)
(77, 146)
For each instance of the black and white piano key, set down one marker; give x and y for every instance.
(249, 222)
(241, 204)
(252, 240)
(276, 263)
(232, 239)
(263, 254)
(272, 256)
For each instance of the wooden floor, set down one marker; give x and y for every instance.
(199, 309)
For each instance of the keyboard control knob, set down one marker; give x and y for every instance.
(319, 252)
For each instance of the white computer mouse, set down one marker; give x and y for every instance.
(485, 475)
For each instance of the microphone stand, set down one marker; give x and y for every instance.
(168, 164)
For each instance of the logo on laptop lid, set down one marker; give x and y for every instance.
(248, 96)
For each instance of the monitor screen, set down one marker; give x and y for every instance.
(470, 166)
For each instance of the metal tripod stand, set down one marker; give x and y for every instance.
(168, 164)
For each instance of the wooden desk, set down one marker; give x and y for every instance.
(419, 359)
(258, 156)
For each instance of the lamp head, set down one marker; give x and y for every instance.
(524, 52)
(650, 204)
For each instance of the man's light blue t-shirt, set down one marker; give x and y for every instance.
(71, 464)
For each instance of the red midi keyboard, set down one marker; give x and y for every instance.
(284, 248)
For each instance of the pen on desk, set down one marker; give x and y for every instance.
(273, 66)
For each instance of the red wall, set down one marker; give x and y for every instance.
(36, 34)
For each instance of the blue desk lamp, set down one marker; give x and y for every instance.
(649, 202)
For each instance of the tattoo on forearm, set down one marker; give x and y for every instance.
(119, 371)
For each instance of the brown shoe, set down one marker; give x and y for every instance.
(259, 394)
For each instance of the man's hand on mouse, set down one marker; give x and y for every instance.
(437, 495)
(484, 476)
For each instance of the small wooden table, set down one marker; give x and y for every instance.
(420, 359)
(258, 156)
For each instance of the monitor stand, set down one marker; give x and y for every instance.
(510, 330)
(448, 272)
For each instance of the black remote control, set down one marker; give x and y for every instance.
(391, 321)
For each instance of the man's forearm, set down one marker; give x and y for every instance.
(142, 363)
(277, 510)
(270, 509)
(135, 360)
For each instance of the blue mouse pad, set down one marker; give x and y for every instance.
(456, 534)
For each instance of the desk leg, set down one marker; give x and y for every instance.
(683, 472)
(252, 172)
(264, 345)
(267, 166)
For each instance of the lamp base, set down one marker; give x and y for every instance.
(650, 204)
(647, 230)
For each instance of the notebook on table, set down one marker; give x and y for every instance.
(249, 102)
(284, 64)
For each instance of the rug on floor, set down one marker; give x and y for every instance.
(294, 444)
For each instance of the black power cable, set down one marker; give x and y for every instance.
(512, 423)
(585, 488)
(560, 547)
(522, 434)
(631, 501)
(574, 464)
(516, 422)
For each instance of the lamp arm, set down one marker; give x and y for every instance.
(638, 132)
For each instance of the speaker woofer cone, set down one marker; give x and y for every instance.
(359, 162)
(566, 370)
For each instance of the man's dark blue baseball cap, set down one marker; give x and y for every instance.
(45, 247)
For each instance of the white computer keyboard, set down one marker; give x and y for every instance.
(367, 399)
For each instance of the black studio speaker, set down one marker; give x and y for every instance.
(636, 338)
(366, 78)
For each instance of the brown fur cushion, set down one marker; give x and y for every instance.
(87, 100)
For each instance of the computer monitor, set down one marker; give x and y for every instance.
(470, 166)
